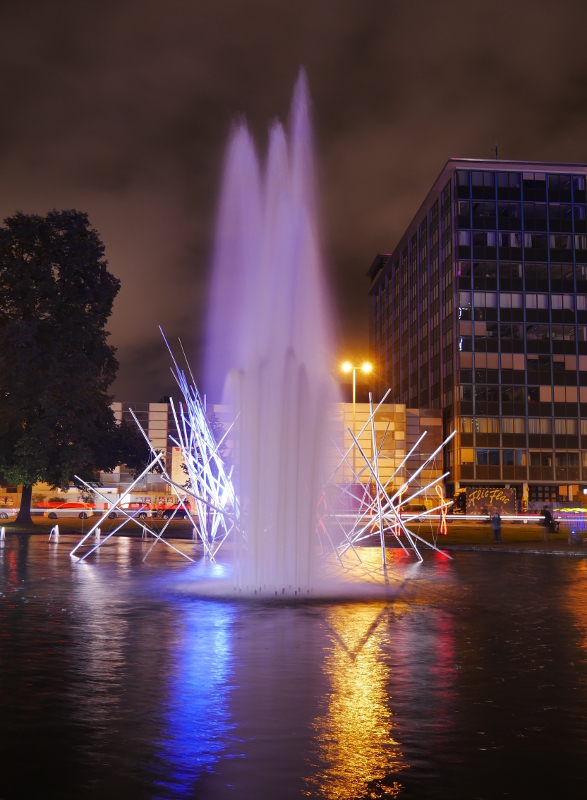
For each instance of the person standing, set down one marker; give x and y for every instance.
(547, 522)
(497, 527)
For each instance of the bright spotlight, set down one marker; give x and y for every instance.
(347, 366)
(367, 367)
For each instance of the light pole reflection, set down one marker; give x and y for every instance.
(356, 747)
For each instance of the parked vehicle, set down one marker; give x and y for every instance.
(81, 510)
(7, 511)
(138, 510)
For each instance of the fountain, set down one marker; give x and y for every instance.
(269, 349)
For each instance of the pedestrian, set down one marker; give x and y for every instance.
(497, 527)
(547, 522)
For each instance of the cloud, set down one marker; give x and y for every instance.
(122, 109)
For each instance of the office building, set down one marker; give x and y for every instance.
(481, 311)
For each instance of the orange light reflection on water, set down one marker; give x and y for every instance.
(356, 748)
(576, 601)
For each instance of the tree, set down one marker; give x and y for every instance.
(56, 366)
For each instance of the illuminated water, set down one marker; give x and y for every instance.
(268, 348)
(471, 681)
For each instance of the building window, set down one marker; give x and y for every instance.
(466, 424)
(562, 301)
(534, 217)
(514, 458)
(540, 458)
(485, 180)
(466, 393)
(508, 185)
(464, 305)
(563, 459)
(536, 277)
(484, 215)
(510, 240)
(484, 275)
(534, 184)
(535, 241)
(484, 239)
(510, 300)
(560, 217)
(537, 301)
(513, 425)
(561, 241)
(466, 456)
(510, 276)
(559, 187)
(510, 216)
(463, 271)
(513, 394)
(539, 425)
(487, 458)
(487, 424)
(485, 299)
(563, 333)
(540, 333)
(564, 427)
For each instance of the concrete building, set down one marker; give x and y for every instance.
(397, 429)
(481, 312)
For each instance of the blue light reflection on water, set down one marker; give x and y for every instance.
(197, 724)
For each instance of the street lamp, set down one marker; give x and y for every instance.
(348, 367)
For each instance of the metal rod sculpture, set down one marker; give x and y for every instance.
(207, 484)
(216, 509)
(381, 513)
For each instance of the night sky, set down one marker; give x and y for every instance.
(122, 109)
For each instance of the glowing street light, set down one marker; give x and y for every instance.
(348, 367)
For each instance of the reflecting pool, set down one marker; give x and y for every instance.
(469, 679)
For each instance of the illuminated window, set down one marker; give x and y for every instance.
(487, 425)
(510, 300)
(537, 301)
(539, 425)
(466, 456)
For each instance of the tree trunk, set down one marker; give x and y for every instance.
(24, 512)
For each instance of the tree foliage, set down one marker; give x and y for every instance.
(56, 365)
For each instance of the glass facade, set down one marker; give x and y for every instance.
(481, 311)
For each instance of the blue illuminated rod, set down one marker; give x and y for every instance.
(208, 482)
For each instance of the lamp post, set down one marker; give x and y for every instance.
(348, 367)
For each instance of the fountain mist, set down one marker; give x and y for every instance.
(269, 349)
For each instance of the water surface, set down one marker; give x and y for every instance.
(469, 680)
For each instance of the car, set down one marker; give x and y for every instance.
(64, 510)
(138, 510)
(180, 513)
(7, 511)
